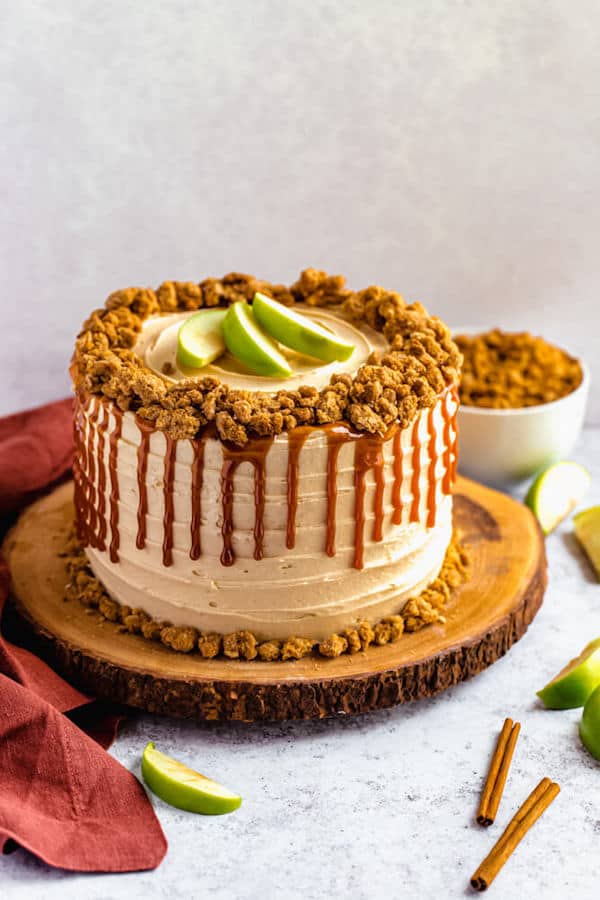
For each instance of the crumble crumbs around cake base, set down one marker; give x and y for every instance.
(425, 609)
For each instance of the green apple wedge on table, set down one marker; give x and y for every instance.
(589, 727)
(574, 684)
(298, 332)
(177, 784)
(245, 340)
(200, 338)
(556, 492)
(587, 532)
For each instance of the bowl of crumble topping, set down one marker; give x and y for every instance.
(522, 404)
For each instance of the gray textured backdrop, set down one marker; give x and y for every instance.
(448, 150)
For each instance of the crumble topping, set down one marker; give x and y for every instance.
(391, 387)
(209, 644)
(504, 370)
(425, 609)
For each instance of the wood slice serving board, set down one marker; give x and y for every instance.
(484, 618)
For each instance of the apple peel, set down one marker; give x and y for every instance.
(572, 686)
(298, 332)
(180, 786)
(245, 340)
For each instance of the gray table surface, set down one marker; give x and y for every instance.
(383, 805)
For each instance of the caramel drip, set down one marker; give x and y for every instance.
(227, 473)
(197, 478)
(260, 483)
(102, 526)
(114, 484)
(91, 495)
(447, 457)
(169, 511)
(79, 467)
(398, 478)
(416, 472)
(337, 436)
(433, 458)
(455, 442)
(255, 452)
(296, 439)
(145, 429)
(379, 488)
(368, 454)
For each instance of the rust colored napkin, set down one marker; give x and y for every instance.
(61, 795)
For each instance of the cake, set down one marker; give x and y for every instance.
(261, 517)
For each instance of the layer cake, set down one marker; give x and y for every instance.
(224, 503)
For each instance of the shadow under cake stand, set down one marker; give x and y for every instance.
(484, 618)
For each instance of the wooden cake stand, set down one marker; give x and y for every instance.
(485, 617)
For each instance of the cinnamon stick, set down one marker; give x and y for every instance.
(498, 772)
(526, 816)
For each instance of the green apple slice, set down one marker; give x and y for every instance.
(574, 684)
(246, 341)
(587, 532)
(184, 788)
(298, 332)
(556, 492)
(200, 338)
(589, 727)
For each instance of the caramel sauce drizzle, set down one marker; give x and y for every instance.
(398, 478)
(368, 454)
(255, 452)
(102, 527)
(296, 439)
(145, 429)
(433, 458)
(92, 494)
(455, 442)
(197, 478)
(90, 503)
(416, 471)
(114, 484)
(169, 510)
(79, 466)
(337, 436)
(227, 473)
(447, 479)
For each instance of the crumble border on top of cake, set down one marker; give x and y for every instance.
(390, 388)
(426, 608)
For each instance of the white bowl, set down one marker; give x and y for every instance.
(502, 447)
